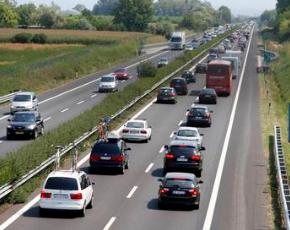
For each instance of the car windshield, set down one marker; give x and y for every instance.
(24, 117)
(22, 98)
(182, 150)
(187, 133)
(107, 79)
(178, 81)
(120, 70)
(134, 124)
(163, 59)
(176, 39)
(197, 111)
(108, 148)
(61, 183)
(179, 183)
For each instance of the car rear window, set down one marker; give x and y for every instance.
(22, 98)
(179, 183)
(109, 148)
(182, 150)
(165, 91)
(132, 124)
(107, 79)
(197, 111)
(178, 82)
(187, 133)
(61, 183)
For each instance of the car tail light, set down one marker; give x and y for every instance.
(143, 131)
(194, 192)
(171, 85)
(163, 190)
(207, 114)
(118, 158)
(125, 130)
(189, 114)
(196, 157)
(45, 195)
(172, 94)
(76, 196)
(94, 157)
(169, 156)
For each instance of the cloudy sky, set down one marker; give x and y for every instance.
(244, 7)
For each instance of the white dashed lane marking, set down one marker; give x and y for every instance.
(47, 119)
(64, 110)
(149, 167)
(131, 193)
(80, 102)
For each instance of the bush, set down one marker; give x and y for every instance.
(39, 38)
(22, 38)
(146, 69)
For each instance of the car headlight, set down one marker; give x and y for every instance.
(30, 126)
(9, 126)
(12, 106)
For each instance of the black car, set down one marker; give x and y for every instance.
(198, 115)
(201, 68)
(180, 86)
(183, 155)
(111, 153)
(179, 189)
(207, 96)
(188, 76)
(26, 123)
(166, 94)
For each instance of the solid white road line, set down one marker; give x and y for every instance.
(4, 117)
(215, 190)
(131, 193)
(80, 102)
(149, 167)
(64, 110)
(47, 119)
(180, 123)
(110, 223)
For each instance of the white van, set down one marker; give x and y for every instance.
(235, 65)
(177, 41)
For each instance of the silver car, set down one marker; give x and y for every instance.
(108, 83)
(24, 101)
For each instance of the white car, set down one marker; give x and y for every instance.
(66, 190)
(189, 134)
(108, 83)
(24, 101)
(136, 130)
(188, 47)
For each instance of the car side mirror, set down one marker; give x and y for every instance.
(202, 148)
(93, 183)
(200, 181)
(187, 110)
(9, 119)
(150, 126)
(211, 111)
(160, 180)
(166, 147)
(174, 132)
(127, 149)
(201, 134)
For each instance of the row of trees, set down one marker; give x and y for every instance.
(130, 15)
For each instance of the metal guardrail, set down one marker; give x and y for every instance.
(7, 97)
(282, 176)
(9, 187)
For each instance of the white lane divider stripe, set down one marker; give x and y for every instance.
(94, 95)
(4, 117)
(80, 102)
(1, 142)
(47, 119)
(212, 203)
(180, 123)
(64, 110)
(172, 134)
(131, 193)
(110, 223)
(162, 149)
(149, 167)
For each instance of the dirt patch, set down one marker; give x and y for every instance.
(6, 62)
(20, 46)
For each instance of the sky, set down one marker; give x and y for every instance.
(238, 7)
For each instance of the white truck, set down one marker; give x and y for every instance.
(235, 65)
(177, 41)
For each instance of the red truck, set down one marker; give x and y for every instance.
(219, 77)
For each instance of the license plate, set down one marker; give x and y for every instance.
(207, 96)
(134, 131)
(60, 196)
(198, 118)
(181, 159)
(178, 192)
(19, 132)
(106, 158)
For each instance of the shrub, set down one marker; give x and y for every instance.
(146, 69)
(22, 38)
(39, 38)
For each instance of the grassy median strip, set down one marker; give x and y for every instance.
(18, 163)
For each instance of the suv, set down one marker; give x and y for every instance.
(66, 190)
(188, 76)
(201, 68)
(183, 155)
(180, 86)
(198, 115)
(110, 153)
(27, 123)
(108, 83)
(24, 101)
(207, 96)
(166, 94)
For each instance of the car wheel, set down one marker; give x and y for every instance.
(150, 137)
(198, 173)
(42, 130)
(82, 212)
(42, 212)
(160, 205)
(91, 204)
(146, 140)
(8, 136)
(127, 165)
(164, 171)
(122, 169)
(35, 134)
(196, 206)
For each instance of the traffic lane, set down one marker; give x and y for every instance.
(242, 202)
(107, 200)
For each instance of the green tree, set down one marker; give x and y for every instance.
(134, 14)
(47, 20)
(282, 5)
(26, 13)
(105, 7)
(8, 16)
(269, 18)
(225, 15)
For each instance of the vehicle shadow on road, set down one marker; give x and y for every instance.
(157, 172)
(153, 205)
(34, 213)
(103, 172)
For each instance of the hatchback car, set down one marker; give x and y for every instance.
(66, 190)
(167, 94)
(183, 155)
(110, 154)
(189, 134)
(189, 76)
(179, 189)
(27, 123)
(108, 83)
(24, 101)
(198, 115)
(180, 86)
(163, 61)
(207, 96)
(137, 130)
(201, 68)
(121, 74)
(212, 57)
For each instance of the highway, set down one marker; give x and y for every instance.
(129, 201)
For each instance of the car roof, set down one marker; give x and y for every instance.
(141, 121)
(109, 75)
(187, 176)
(211, 90)
(177, 79)
(66, 173)
(24, 93)
(183, 142)
(166, 88)
(27, 112)
(199, 106)
(188, 128)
